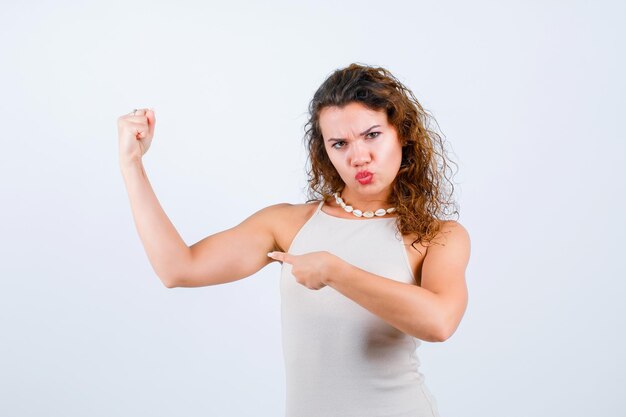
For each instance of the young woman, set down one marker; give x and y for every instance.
(370, 267)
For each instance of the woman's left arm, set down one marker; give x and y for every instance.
(431, 312)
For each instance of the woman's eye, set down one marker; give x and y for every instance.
(368, 136)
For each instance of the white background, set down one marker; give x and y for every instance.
(529, 96)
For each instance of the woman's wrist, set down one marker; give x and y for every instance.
(127, 165)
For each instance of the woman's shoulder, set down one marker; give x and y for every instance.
(452, 231)
(286, 219)
(292, 211)
(452, 225)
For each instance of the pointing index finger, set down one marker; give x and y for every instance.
(279, 256)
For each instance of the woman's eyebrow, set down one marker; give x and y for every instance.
(360, 134)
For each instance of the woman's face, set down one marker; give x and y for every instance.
(357, 139)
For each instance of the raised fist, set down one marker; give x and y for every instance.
(135, 131)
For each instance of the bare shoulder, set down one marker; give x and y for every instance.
(452, 244)
(286, 219)
(287, 212)
(452, 231)
(284, 216)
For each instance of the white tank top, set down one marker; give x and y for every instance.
(341, 360)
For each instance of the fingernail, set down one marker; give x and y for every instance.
(270, 254)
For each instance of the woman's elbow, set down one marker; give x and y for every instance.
(169, 282)
(445, 331)
(442, 336)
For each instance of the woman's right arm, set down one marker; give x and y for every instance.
(222, 257)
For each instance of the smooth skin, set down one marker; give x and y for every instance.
(356, 138)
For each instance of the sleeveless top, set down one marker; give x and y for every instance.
(341, 360)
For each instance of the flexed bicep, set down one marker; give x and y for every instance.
(234, 253)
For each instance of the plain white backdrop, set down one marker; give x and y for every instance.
(529, 96)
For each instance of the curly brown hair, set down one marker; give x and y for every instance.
(419, 193)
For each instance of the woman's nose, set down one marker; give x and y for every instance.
(360, 154)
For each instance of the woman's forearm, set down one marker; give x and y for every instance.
(409, 308)
(166, 250)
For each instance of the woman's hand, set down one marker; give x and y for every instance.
(311, 269)
(135, 131)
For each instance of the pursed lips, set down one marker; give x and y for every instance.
(362, 174)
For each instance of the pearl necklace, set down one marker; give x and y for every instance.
(358, 213)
